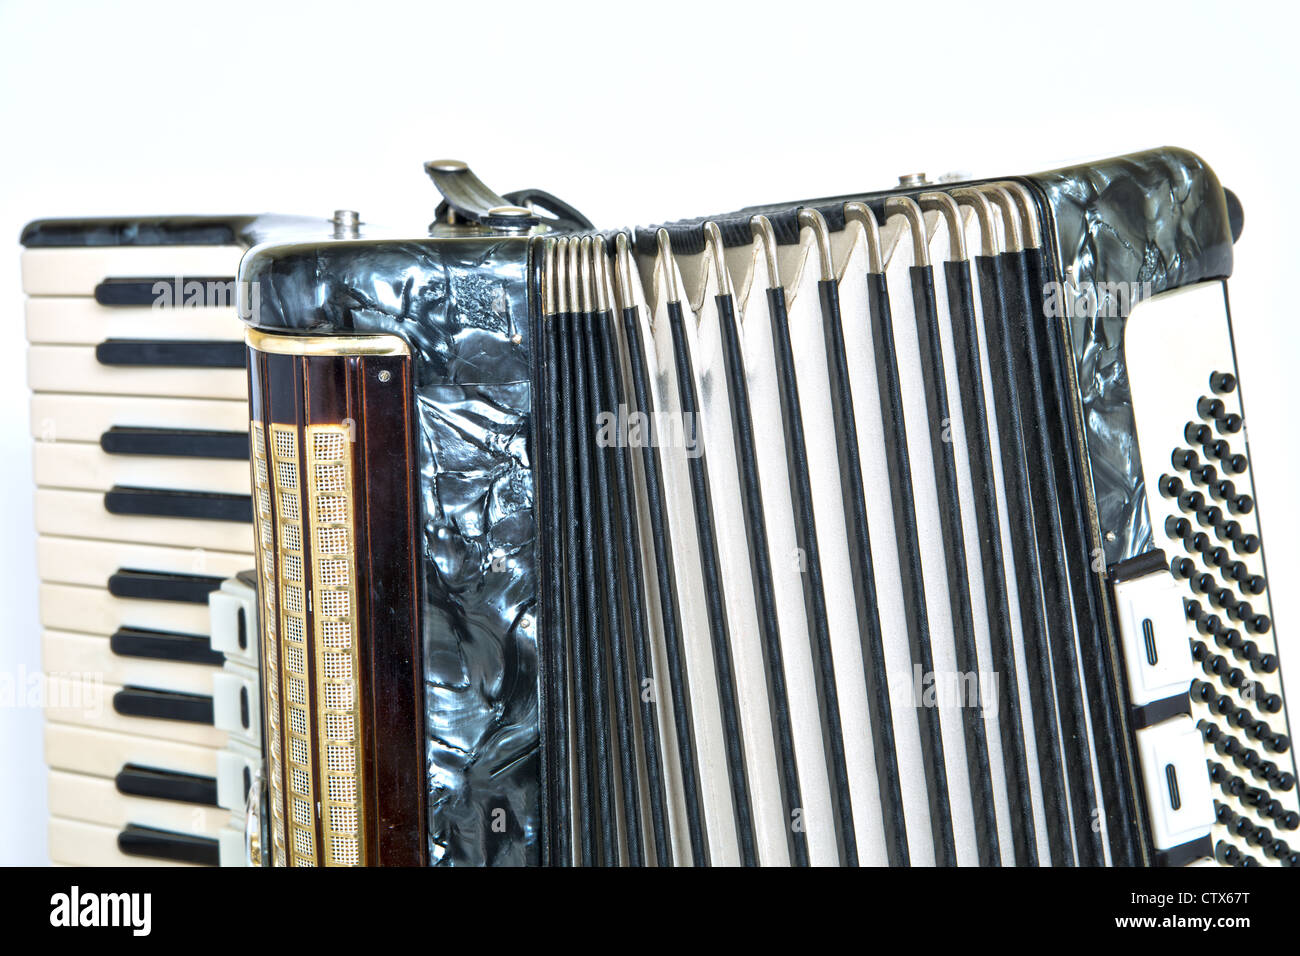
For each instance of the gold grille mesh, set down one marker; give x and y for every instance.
(270, 649)
(333, 571)
(293, 633)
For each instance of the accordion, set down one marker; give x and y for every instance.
(911, 527)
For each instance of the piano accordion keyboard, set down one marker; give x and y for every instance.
(139, 416)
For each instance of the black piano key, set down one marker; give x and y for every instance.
(761, 568)
(630, 574)
(596, 632)
(612, 639)
(162, 586)
(163, 705)
(970, 382)
(1023, 319)
(175, 443)
(1006, 406)
(661, 541)
(697, 466)
(137, 781)
(164, 646)
(168, 845)
(172, 292)
(796, 453)
(552, 660)
(171, 353)
(864, 578)
(166, 503)
(909, 559)
(578, 619)
(1103, 682)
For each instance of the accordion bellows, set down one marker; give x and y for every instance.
(882, 529)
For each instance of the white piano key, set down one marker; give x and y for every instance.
(76, 271)
(68, 417)
(87, 467)
(77, 843)
(74, 368)
(90, 799)
(93, 610)
(82, 514)
(63, 652)
(88, 562)
(79, 320)
(103, 753)
(86, 700)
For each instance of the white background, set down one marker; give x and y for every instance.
(634, 113)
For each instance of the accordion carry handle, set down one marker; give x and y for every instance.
(564, 215)
(467, 199)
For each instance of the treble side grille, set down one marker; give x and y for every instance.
(293, 671)
(270, 632)
(340, 793)
(333, 568)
